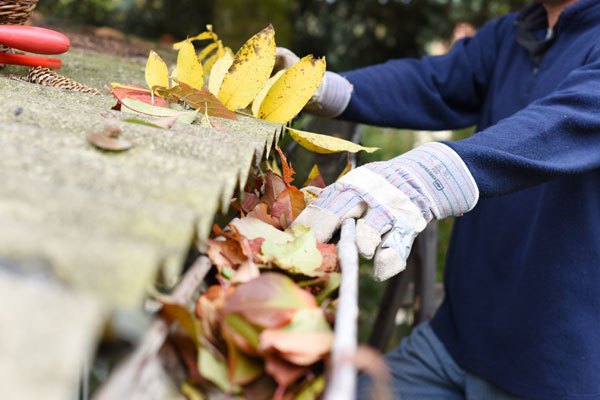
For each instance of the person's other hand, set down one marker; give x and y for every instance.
(393, 202)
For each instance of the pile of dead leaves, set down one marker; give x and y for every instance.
(263, 330)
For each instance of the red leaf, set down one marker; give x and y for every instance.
(290, 203)
(329, 254)
(270, 301)
(282, 371)
(200, 99)
(274, 185)
(250, 201)
(143, 96)
(317, 182)
(288, 171)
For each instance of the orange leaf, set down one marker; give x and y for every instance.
(290, 203)
(288, 171)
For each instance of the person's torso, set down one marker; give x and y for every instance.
(523, 270)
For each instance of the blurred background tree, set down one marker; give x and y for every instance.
(350, 33)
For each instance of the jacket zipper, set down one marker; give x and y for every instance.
(532, 80)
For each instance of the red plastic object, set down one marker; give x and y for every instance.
(32, 61)
(33, 39)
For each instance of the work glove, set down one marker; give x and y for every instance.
(331, 97)
(393, 202)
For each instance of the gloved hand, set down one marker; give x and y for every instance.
(331, 97)
(394, 201)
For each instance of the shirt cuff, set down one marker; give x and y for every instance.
(331, 97)
(443, 178)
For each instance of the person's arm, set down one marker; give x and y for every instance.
(553, 136)
(434, 93)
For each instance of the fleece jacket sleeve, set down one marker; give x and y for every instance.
(433, 93)
(556, 135)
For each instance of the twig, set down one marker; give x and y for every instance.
(342, 379)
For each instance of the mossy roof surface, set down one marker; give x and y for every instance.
(104, 224)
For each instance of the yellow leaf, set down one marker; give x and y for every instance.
(261, 95)
(157, 73)
(116, 85)
(251, 68)
(218, 71)
(203, 36)
(229, 51)
(189, 69)
(207, 50)
(293, 90)
(208, 64)
(314, 172)
(326, 144)
(347, 168)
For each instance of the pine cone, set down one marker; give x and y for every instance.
(47, 77)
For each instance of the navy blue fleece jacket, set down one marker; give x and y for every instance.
(523, 271)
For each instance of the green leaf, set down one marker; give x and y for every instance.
(253, 228)
(299, 256)
(244, 328)
(312, 390)
(138, 107)
(215, 371)
(333, 283)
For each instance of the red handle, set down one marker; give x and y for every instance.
(32, 61)
(33, 39)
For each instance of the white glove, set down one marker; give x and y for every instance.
(331, 97)
(394, 201)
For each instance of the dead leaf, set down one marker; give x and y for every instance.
(299, 256)
(104, 142)
(242, 369)
(290, 204)
(300, 348)
(225, 254)
(274, 185)
(249, 202)
(157, 73)
(138, 93)
(174, 312)
(283, 372)
(269, 301)
(261, 212)
(203, 100)
(253, 228)
(189, 69)
(330, 258)
(292, 90)
(326, 144)
(314, 178)
(217, 73)
(288, 171)
(250, 70)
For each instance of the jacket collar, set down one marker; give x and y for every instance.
(578, 15)
(534, 18)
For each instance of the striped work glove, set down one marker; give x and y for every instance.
(331, 97)
(393, 201)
